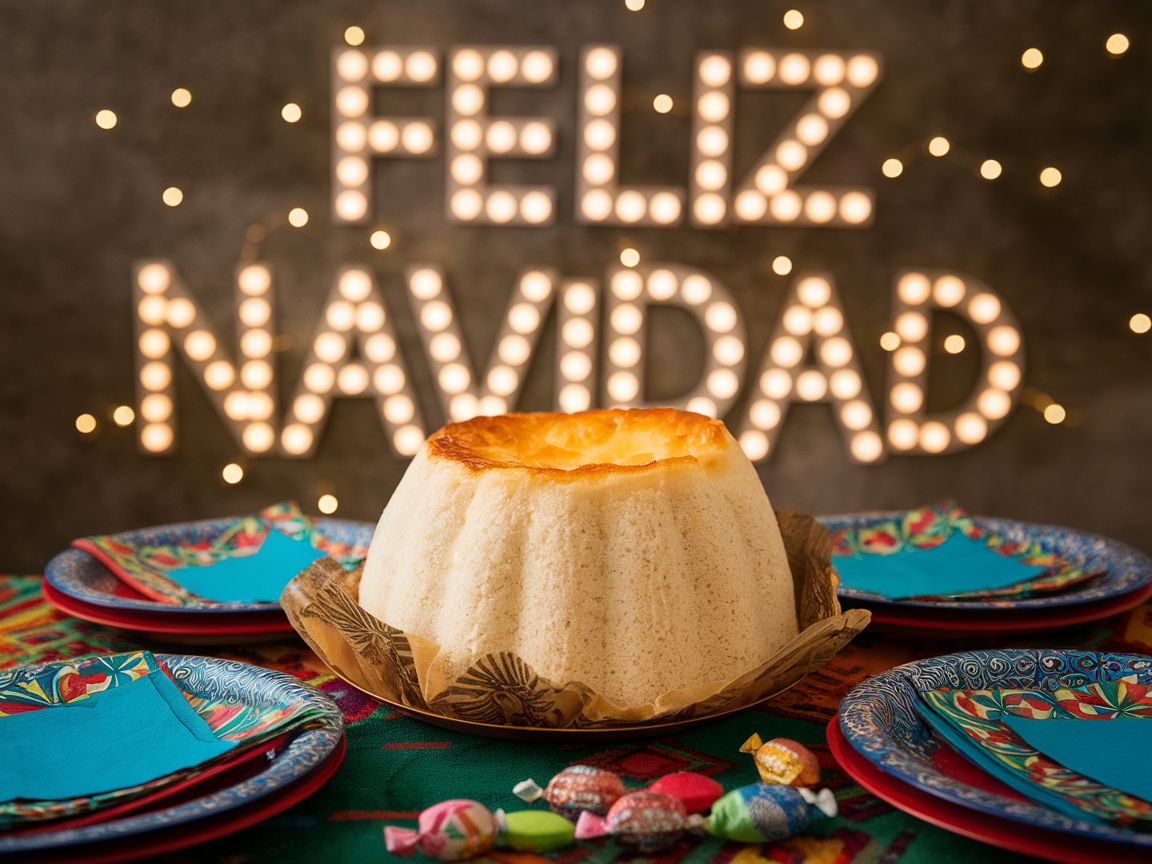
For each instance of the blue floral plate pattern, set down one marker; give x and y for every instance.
(879, 718)
(212, 678)
(1125, 569)
(81, 575)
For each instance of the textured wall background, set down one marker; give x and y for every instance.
(78, 204)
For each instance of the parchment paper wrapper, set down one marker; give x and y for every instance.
(501, 689)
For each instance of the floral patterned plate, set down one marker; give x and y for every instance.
(237, 695)
(1123, 570)
(881, 721)
(79, 574)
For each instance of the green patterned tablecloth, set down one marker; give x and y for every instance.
(395, 766)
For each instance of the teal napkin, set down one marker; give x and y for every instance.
(958, 739)
(261, 576)
(122, 737)
(956, 566)
(1116, 751)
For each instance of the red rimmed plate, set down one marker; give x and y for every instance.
(175, 626)
(190, 833)
(986, 828)
(945, 621)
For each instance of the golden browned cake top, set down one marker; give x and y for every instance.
(581, 444)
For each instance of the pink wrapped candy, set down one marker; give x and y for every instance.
(449, 831)
(575, 789)
(650, 821)
(696, 791)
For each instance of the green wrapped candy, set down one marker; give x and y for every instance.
(534, 831)
(764, 814)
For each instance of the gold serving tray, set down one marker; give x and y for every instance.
(655, 729)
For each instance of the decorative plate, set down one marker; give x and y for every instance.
(997, 831)
(118, 849)
(177, 627)
(1125, 570)
(879, 718)
(265, 691)
(81, 575)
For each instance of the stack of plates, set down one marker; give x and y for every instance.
(231, 800)
(1125, 581)
(881, 740)
(79, 584)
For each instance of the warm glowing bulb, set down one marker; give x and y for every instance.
(906, 397)
(856, 415)
(954, 344)
(911, 326)
(828, 321)
(1004, 374)
(939, 146)
(633, 5)
(579, 299)
(984, 308)
(990, 169)
(1004, 340)
(623, 386)
(867, 446)
(574, 366)
(754, 444)
(181, 98)
(793, 19)
(971, 428)
(629, 257)
(723, 383)
(232, 473)
(327, 503)
(1051, 177)
(903, 434)
(1117, 44)
(105, 119)
(889, 341)
(662, 103)
(781, 265)
(914, 288)
(845, 383)
(1055, 413)
(297, 217)
(1140, 323)
(156, 437)
(353, 36)
(934, 436)
(380, 239)
(994, 403)
(892, 168)
(1032, 58)
(814, 291)
(172, 196)
(909, 361)
(292, 112)
(85, 423)
(811, 385)
(220, 374)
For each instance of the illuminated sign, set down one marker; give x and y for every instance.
(601, 318)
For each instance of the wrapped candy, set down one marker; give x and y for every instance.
(695, 790)
(575, 789)
(650, 821)
(765, 813)
(449, 831)
(533, 831)
(783, 762)
(761, 813)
